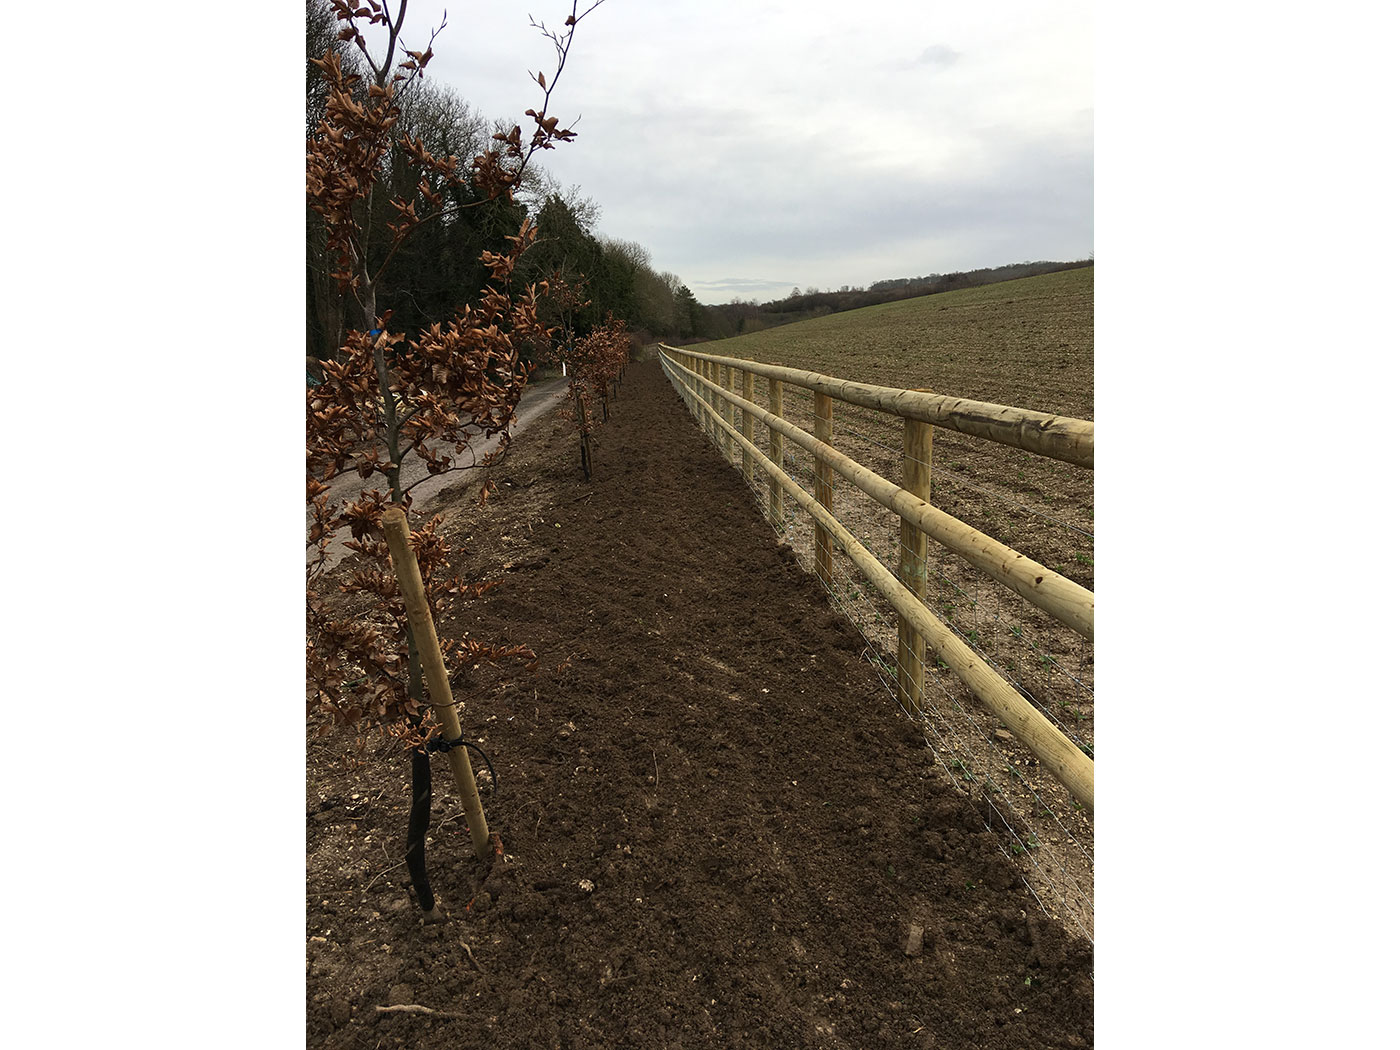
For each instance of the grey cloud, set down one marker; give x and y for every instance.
(939, 56)
(728, 193)
(728, 288)
(742, 284)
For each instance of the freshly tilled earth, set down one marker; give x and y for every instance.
(717, 829)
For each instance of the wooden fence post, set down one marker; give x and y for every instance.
(701, 397)
(726, 410)
(775, 450)
(420, 622)
(704, 396)
(913, 563)
(715, 429)
(747, 427)
(821, 406)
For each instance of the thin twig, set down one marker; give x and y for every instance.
(414, 1008)
(386, 871)
(470, 466)
(484, 979)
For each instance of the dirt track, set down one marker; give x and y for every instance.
(718, 829)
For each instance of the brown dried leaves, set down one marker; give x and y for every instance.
(382, 400)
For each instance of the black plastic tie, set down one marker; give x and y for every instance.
(437, 743)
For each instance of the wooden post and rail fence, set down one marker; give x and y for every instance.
(707, 384)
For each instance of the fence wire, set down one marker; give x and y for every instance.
(1044, 832)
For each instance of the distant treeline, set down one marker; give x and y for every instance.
(738, 317)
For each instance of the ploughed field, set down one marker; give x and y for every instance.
(718, 829)
(1026, 343)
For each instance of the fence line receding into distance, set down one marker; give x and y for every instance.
(720, 393)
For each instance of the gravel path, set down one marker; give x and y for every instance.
(538, 399)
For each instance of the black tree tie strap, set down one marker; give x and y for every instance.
(437, 743)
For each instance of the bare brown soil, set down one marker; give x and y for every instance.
(718, 829)
(1049, 835)
(1028, 343)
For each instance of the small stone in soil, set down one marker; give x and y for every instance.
(915, 944)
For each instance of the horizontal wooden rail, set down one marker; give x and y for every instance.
(1059, 437)
(1069, 765)
(1065, 600)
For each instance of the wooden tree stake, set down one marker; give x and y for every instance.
(420, 621)
(913, 563)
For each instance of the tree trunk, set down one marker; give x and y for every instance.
(584, 455)
(325, 301)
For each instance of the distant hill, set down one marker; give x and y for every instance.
(740, 318)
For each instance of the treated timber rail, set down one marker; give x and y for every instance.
(697, 377)
(1058, 437)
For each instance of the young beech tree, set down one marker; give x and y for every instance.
(385, 398)
(593, 362)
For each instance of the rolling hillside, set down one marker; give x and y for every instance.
(1028, 343)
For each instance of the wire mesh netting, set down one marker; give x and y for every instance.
(1041, 508)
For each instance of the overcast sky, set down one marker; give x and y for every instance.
(753, 147)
